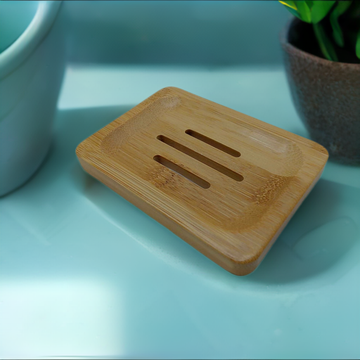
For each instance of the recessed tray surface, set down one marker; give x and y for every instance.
(223, 181)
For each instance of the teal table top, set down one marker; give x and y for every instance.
(83, 273)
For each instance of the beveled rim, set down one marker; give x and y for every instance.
(28, 41)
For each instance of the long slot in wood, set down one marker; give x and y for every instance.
(195, 155)
(181, 171)
(213, 143)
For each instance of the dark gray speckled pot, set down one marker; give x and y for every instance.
(326, 95)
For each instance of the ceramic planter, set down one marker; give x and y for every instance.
(326, 95)
(31, 72)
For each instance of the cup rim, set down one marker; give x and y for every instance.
(27, 42)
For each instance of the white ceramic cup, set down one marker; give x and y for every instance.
(31, 72)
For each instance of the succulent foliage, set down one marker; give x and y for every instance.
(336, 24)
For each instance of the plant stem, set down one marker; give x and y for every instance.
(324, 42)
(357, 45)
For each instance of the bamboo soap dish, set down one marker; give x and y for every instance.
(224, 182)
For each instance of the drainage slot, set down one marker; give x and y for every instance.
(213, 143)
(181, 171)
(195, 155)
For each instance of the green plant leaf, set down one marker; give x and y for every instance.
(309, 11)
(291, 6)
(324, 42)
(304, 11)
(294, 12)
(320, 9)
(339, 9)
(357, 46)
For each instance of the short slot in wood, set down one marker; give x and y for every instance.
(213, 143)
(181, 171)
(195, 155)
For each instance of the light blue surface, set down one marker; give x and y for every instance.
(85, 273)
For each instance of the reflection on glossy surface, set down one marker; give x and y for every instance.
(321, 242)
(63, 317)
(335, 243)
(93, 269)
(331, 240)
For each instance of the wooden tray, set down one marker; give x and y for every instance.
(224, 182)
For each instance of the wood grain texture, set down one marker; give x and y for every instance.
(222, 181)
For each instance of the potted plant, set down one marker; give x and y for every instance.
(321, 48)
